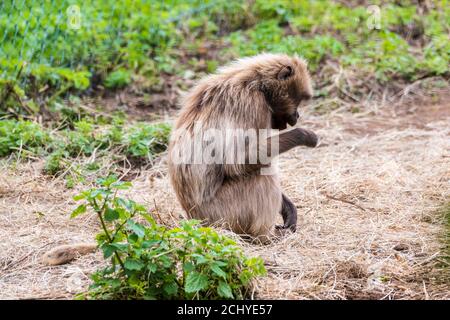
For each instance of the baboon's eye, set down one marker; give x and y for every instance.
(285, 73)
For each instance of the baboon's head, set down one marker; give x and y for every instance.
(285, 82)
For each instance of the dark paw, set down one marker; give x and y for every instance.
(307, 138)
(312, 139)
(291, 227)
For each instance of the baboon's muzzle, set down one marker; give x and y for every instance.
(292, 119)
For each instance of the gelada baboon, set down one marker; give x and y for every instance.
(260, 92)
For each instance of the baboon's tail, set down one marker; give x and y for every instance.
(66, 253)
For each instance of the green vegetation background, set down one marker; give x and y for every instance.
(52, 54)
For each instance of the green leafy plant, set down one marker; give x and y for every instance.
(343, 36)
(56, 162)
(141, 142)
(22, 136)
(151, 261)
(118, 79)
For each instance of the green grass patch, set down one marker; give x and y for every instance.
(328, 30)
(53, 48)
(139, 143)
(23, 137)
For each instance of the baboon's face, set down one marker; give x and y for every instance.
(285, 89)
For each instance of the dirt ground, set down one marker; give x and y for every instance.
(367, 200)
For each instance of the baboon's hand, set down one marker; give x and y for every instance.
(296, 137)
(287, 226)
(306, 138)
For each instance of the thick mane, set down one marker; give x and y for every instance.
(233, 90)
(253, 66)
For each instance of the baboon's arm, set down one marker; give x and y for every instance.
(292, 138)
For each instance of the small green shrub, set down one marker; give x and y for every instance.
(150, 261)
(144, 141)
(118, 79)
(82, 140)
(22, 135)
(55, 162)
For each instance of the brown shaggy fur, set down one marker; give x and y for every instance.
(261, 92)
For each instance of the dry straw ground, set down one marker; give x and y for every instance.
(367, 199)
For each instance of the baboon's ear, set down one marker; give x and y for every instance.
(285, 73)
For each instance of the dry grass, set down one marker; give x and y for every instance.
(366, 198)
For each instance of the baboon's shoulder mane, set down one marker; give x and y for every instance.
(262, 65)
(235, 90)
